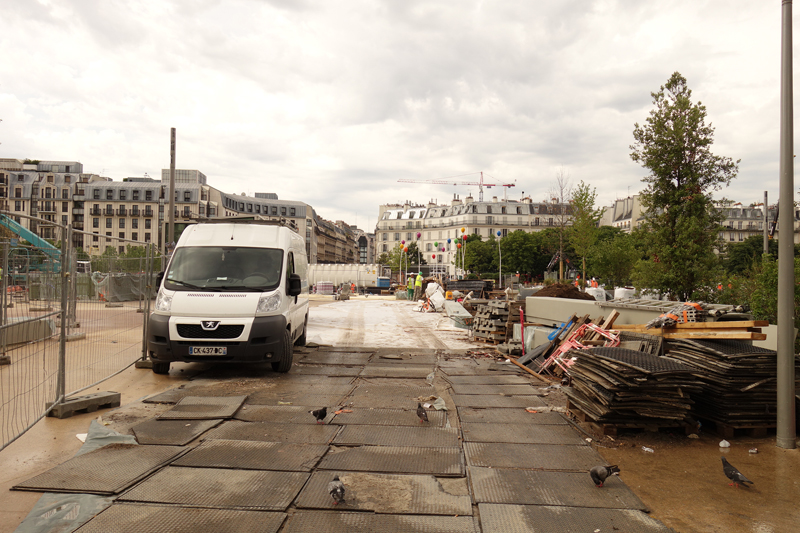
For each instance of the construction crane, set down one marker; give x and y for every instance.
(480, 183)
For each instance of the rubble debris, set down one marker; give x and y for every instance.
(560, 290)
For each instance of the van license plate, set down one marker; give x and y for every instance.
(208, 350)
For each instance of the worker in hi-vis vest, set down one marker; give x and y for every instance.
(418, 287)
(410, 287)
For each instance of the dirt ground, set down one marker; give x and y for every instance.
(560, 290)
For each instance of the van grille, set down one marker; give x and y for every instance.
(194, 331)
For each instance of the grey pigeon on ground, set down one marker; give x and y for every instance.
(600, 473)
(336, 490)
(733, 474)
(421, 413)
(320, 414)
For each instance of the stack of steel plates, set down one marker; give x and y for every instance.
(617, 386)
(739, 386)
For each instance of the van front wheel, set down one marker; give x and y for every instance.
(160, 368)
(285, 363)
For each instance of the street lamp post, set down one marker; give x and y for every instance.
(500, 254)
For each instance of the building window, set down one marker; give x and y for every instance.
(135, 224)
(292, 211)
(17, 193)
(384, 236)
(283, 211)
(146, 237)
(187, 211)
(135, 195)
(64, 220)
(65, 194)
(95, 222)
(741, 237)
(121, 249)
(148, 196)
(108, 222)
(147, 223)
(187, 196)
(17, 205)
(96, 194)
(135, 236)
(121, 223)
(123, 195)
(65, 207)
(274, 210)
(739, 225)
(109, 194)
(95, 237)
(397, 236)
(428, 247)
(384, 248)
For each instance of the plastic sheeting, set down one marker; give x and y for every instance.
(57, 512)
(119, 287)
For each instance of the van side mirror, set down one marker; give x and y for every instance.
(159, 279)
(295, 285)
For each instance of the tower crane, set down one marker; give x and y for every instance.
(480, 183)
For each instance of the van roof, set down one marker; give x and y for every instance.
(251, 235)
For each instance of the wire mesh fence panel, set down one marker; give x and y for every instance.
(105, 298)
(28, 381)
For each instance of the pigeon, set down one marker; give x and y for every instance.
(320, 414)
(733, 474)
(600, 473)
(336, 489)
(421, 413)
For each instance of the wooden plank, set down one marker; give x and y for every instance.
(704, 325)
(735, 335)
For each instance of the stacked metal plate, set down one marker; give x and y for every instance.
(739, 387)
(617, 386)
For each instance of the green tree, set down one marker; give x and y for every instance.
(583, 233)
(522, 252)
(398, 260)
(741, 256)
(674, 146)
(613, 260)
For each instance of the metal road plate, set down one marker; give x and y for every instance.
(520, 433)
(396, 371)
(389, 417)
(285, 414)
(431, 437)
(204, 407)
(343, 522)
(388, 396)
(508, 416)
(274, 432)
(325, 370)
(389, 493)
(477, 367)
(507, 390)
(483, 400)
(396, 459)
(574, 458)
(172, 432)
(125, 517)
(534, 487)
(410, 358)
(219, 488)
(170, 396)
(541, 518)
(314, 401)
(107, 470)
(254, 455)
(492, 379)
(338, 358)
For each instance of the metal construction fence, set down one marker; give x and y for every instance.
(67, 322)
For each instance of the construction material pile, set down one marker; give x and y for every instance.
(625, 388)
(495, 320)
(739, 386)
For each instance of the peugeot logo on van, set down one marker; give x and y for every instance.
(209, 325)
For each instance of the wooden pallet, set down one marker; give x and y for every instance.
(729, 431)
(613, 430)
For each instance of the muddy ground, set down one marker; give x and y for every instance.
(682, 482)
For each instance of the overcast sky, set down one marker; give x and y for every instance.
(331, 102)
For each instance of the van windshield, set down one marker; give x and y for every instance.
(224, 268)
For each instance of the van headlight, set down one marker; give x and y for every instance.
(163, 301)
(269, 302)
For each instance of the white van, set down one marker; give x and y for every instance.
(231, 292)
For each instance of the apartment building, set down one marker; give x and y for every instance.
(132, 211)
(624, 213)
(438, 223)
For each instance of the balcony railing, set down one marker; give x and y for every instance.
(96, 211)
(123, 212)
